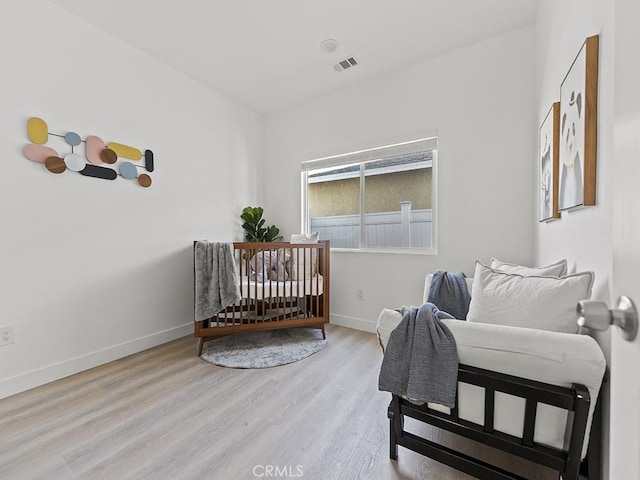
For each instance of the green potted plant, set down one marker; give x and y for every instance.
(254, 229)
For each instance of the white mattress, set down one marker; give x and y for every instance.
(550, 357)
(273, 289)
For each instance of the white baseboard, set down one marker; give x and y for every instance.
(35, 378)
(355, 323)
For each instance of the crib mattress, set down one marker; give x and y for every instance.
(275, 289)
(550, 357)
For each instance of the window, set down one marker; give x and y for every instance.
(380, 198)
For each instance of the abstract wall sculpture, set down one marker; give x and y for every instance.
(96, 153)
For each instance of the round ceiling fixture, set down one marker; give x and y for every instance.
(329, 45)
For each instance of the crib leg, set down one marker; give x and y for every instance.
(324, 334)
(200, 345)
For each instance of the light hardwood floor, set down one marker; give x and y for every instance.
(166, 414)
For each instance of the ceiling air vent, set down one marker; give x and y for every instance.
(342, 65)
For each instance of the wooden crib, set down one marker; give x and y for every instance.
(294, 294)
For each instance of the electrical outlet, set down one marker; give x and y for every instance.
(7, 335)
(360, 294)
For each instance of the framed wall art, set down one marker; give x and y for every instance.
(579, 129)
(548, 165)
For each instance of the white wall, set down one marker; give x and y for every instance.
(582, 236)
(91, 269)
(480, 102)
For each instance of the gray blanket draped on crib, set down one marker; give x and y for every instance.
(217, 284)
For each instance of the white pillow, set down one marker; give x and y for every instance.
(545, 303)
(557, 269)
(307, 263)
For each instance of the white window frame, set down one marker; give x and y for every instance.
(368, 154)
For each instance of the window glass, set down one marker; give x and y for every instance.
(384, 200)
(397, 201)
(334, 205)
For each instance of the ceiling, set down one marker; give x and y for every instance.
(265, 54)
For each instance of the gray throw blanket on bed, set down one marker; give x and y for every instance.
(216, 278)
(421, 359)
(450, 293)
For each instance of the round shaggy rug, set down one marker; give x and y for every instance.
(263, 349)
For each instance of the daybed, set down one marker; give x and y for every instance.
(281, 285)
(527, 391)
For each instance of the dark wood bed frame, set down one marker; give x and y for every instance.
(575, 400)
